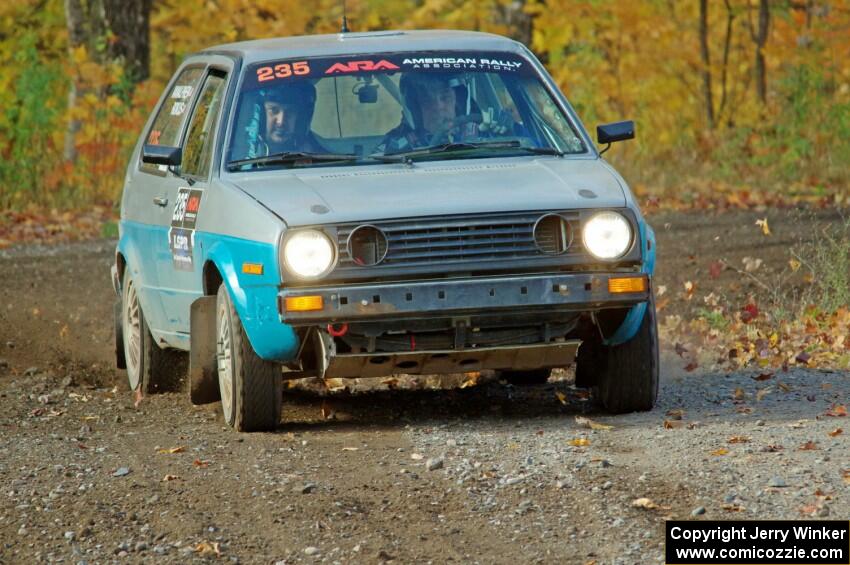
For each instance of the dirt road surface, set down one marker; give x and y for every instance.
(486, 474)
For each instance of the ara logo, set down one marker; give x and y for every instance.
(354, 66)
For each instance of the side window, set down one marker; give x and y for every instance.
(172, 114)
(198, 149)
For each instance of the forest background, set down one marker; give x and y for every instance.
(737, 102)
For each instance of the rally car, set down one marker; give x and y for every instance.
(369, 204)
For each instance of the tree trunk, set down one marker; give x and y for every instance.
(724, 72)
(129, 23)
(761, 41)
(89, 22)
(706, 63)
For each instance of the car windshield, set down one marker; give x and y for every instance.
(403, 106)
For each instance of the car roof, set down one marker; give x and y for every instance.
(353, 43)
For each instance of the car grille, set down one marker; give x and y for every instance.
(457, 240)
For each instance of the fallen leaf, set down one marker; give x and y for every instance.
(751, 264)
(63, 333)
(691, 366)
(470, 379)
(690, 287)
(809, 509)
(200, 463)
(763, 377)
(673, 424)
(715, 268)
(206, 548)
(765, 229)
(732, 507)
(168, 478)
(739, 439)
(762, 392)
(676, 413)
(579, 442)
(836, 411)
(773, 448)
(739, 394)
(350, 448)
(836, 432)
(743, 409)
(588, 423)
(809, 446)
(784, 387)
(644, 503)
(749, 313)
(794, 264)
(847, 477)
(660, 290)
(562, 398)
(720, 452)
(173, 450)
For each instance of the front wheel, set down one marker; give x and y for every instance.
(251, 387)
(626, 375)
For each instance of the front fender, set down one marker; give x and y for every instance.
(253, 296)
(631, 324)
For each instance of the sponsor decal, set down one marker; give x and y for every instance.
(463, 63)
(182, 91)
(153, 138)
(357, 66)
(186, 208)
(181, 236)
(182, 243)
(283, 70)
(178, 108)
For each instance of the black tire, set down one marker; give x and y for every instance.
(590, 361)
(120, 357)
(150, 368)
(526, 378)
(628, 382)
(256, 385)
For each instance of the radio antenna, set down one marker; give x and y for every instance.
(344, 20)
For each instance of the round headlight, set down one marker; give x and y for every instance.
(308, 254)
(607, 235)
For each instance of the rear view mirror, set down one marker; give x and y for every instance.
(616, 131)
(162, 155)
(367, 94)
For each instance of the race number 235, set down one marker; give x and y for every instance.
(282, 70)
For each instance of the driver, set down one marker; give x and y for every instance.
(288, 112)
(431, 103)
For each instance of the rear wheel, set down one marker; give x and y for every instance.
(526, 378)
(150, 368)
(251, 387)
(627, 378)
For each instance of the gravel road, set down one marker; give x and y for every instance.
(485, 474)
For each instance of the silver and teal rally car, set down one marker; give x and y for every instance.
(367, 204)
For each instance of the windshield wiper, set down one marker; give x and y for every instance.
(294, 157)
(407, 156)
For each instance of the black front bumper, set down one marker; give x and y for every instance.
(569, 292)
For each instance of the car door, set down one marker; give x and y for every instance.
(178, 268)
(145, 208)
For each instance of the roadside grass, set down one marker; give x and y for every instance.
(800, 315)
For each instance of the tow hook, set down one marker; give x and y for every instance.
(334, 332)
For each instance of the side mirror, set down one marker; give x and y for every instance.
(616, 131)
(162, 155)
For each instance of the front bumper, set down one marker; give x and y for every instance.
(459, 297)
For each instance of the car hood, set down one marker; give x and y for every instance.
(369, 193)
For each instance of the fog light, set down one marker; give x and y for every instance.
(630, 284)
(303, 303)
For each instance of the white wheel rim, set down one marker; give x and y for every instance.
(132, 335)
(225, 363)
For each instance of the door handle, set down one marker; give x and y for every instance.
(160, 201)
